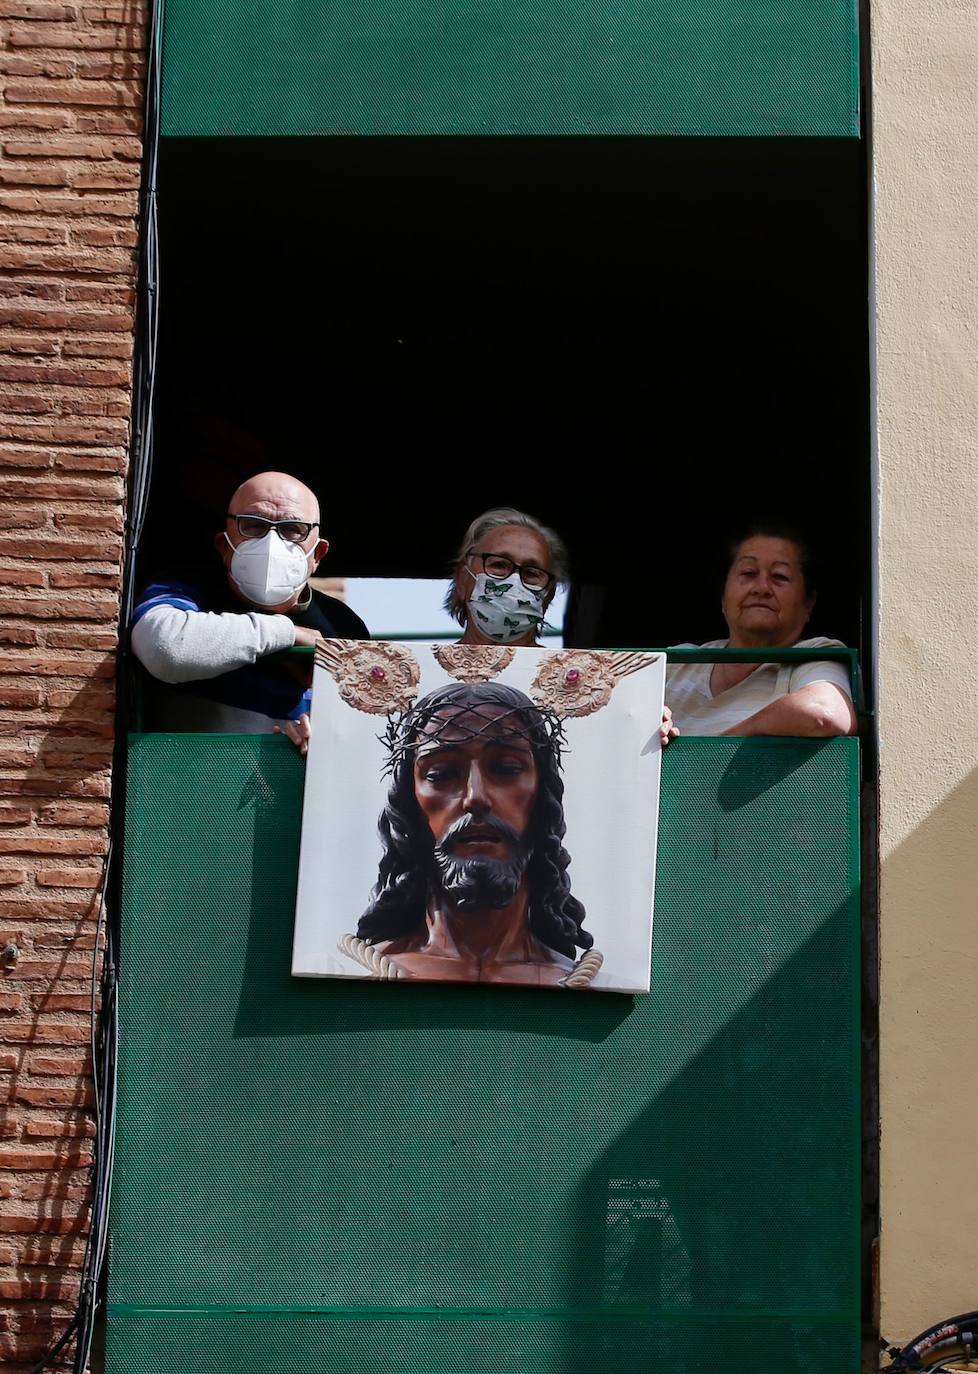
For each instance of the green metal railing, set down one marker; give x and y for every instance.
(318, 1177)
(441, 636)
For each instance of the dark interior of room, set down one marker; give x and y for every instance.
(641, 341)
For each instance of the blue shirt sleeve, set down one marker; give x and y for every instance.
(304, 705)
(182, 595)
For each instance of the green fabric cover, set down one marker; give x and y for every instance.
(324, 1177)
(707, 67)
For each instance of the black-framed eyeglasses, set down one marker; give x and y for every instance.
(256, 527)
(498, 566)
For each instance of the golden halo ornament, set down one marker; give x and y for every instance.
(578, 682)
(372, 676)
(473, 662)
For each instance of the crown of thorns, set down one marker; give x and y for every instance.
(383, 679)
(431, 722)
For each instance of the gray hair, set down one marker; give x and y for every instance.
(775, 529)
(492, 520)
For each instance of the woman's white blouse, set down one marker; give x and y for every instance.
(697, 712)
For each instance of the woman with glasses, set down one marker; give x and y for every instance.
(508, 568)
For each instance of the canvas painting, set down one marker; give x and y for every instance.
(481, 815)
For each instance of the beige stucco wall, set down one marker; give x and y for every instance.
(925, 111)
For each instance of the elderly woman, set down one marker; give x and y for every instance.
(506, 574)
(508, 568)
(768, 598)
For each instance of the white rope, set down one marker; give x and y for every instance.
(363, 953)
(382, 966)
(584, 970)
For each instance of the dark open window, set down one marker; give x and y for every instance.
(640, 340)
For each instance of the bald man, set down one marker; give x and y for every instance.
(208, 634)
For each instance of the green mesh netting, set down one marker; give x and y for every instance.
(707, 67)
(320, 1177)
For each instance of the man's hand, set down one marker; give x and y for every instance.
(667, 730)
(306, 637)
(299, 731)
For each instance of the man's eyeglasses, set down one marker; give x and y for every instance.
(256, 527)
(497, 565)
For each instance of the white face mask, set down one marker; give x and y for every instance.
(503, 609)
(269, 571)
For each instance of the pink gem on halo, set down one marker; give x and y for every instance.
(377, 673)
(572, 675)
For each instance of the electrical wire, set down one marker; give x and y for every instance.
(55, 1349)
(105, 1036)
(103, 999)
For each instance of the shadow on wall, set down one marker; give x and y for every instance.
(45, 1115)
(928, 1033)
(728, 1210)
(729, 1207)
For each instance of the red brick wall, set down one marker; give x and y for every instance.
(70, 123)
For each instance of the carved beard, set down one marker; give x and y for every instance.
(474, 884)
